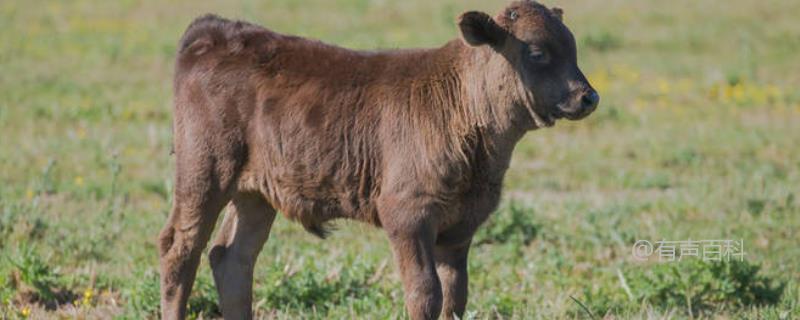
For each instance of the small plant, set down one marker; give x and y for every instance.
(36, 282)
(755, 206)
(686, 157)
(33, 271)
(513, 224)
(693, 287)
(503, 305)
(203, 301)
(311, 290)
(47, 185)
(142, 299)
(6, 289)
(8, 220)
(654, 180)
(699, 286)
(601, 301)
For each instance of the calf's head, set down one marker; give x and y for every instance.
(532, 55)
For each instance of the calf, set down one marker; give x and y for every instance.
(413, 141)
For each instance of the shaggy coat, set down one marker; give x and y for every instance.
(414, 141)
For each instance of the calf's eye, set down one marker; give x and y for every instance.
(538, 56)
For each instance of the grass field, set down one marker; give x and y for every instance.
(697, 137)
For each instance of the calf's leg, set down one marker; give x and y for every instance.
(413, 249)
(233, 254)
(181, 243)
(203, 186)
(451, 265)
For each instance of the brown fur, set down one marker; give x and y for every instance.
(414, 141)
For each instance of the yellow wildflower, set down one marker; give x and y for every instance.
(88, 296)
(25, 312)
(79, 181)
(664, 86)
(738, 93)
(774, 92)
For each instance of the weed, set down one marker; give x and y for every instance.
(7, 288)
(692, 287)
(8, 219)
(503, 305)
(203, 300)
(512, 224)
(310, 289)
(36, 282)
(142, 296)
(702, 287)
(47, 184)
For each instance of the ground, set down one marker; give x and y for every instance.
(697, 137)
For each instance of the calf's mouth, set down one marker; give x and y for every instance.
(578, 107)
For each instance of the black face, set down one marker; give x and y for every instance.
(548, 67)
(541, 51)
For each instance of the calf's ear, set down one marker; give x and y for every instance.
(478, 28)
(558, 13)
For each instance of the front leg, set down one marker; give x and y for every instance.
(451, 265)
(412, 239)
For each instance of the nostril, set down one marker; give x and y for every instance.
(590, 99)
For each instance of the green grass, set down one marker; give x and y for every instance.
(696, 138)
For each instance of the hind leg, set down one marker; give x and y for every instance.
(181, 243)
(233, 255)
(203, 186)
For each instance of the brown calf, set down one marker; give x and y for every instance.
(414, 141)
